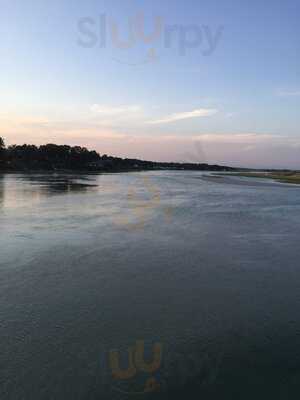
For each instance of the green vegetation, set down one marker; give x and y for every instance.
(52, 157)
(2, 154)
(280, 176)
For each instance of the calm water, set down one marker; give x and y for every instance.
(205, 269)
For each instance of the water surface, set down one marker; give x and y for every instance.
(207, 268)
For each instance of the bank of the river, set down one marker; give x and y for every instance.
(284, 177)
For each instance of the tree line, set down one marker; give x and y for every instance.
(52, 157)
(48, 157)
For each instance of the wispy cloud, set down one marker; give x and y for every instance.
(201, 112)
(240, 137)
(289, 93)
(232, 148)
(230, 114)
(115, 111)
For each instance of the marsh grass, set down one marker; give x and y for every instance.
(283, 177)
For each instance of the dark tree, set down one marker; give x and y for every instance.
(2, 154)
(2, 144)
(53, 157)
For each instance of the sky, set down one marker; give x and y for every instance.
(195, 81)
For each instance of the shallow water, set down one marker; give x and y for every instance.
(207, 268)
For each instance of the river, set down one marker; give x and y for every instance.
(201, 271)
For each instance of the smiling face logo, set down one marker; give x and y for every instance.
(137, 35)
(124, 375)
(142, 208)
(137, 44)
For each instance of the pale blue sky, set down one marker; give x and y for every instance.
(239, 104)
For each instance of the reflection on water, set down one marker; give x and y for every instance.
(2, 191)
(203, 301)
(55, 183)
(17, 189)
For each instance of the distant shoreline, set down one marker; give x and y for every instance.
(61, 158)
(292, 177)
(96, 172)
(53, 158)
